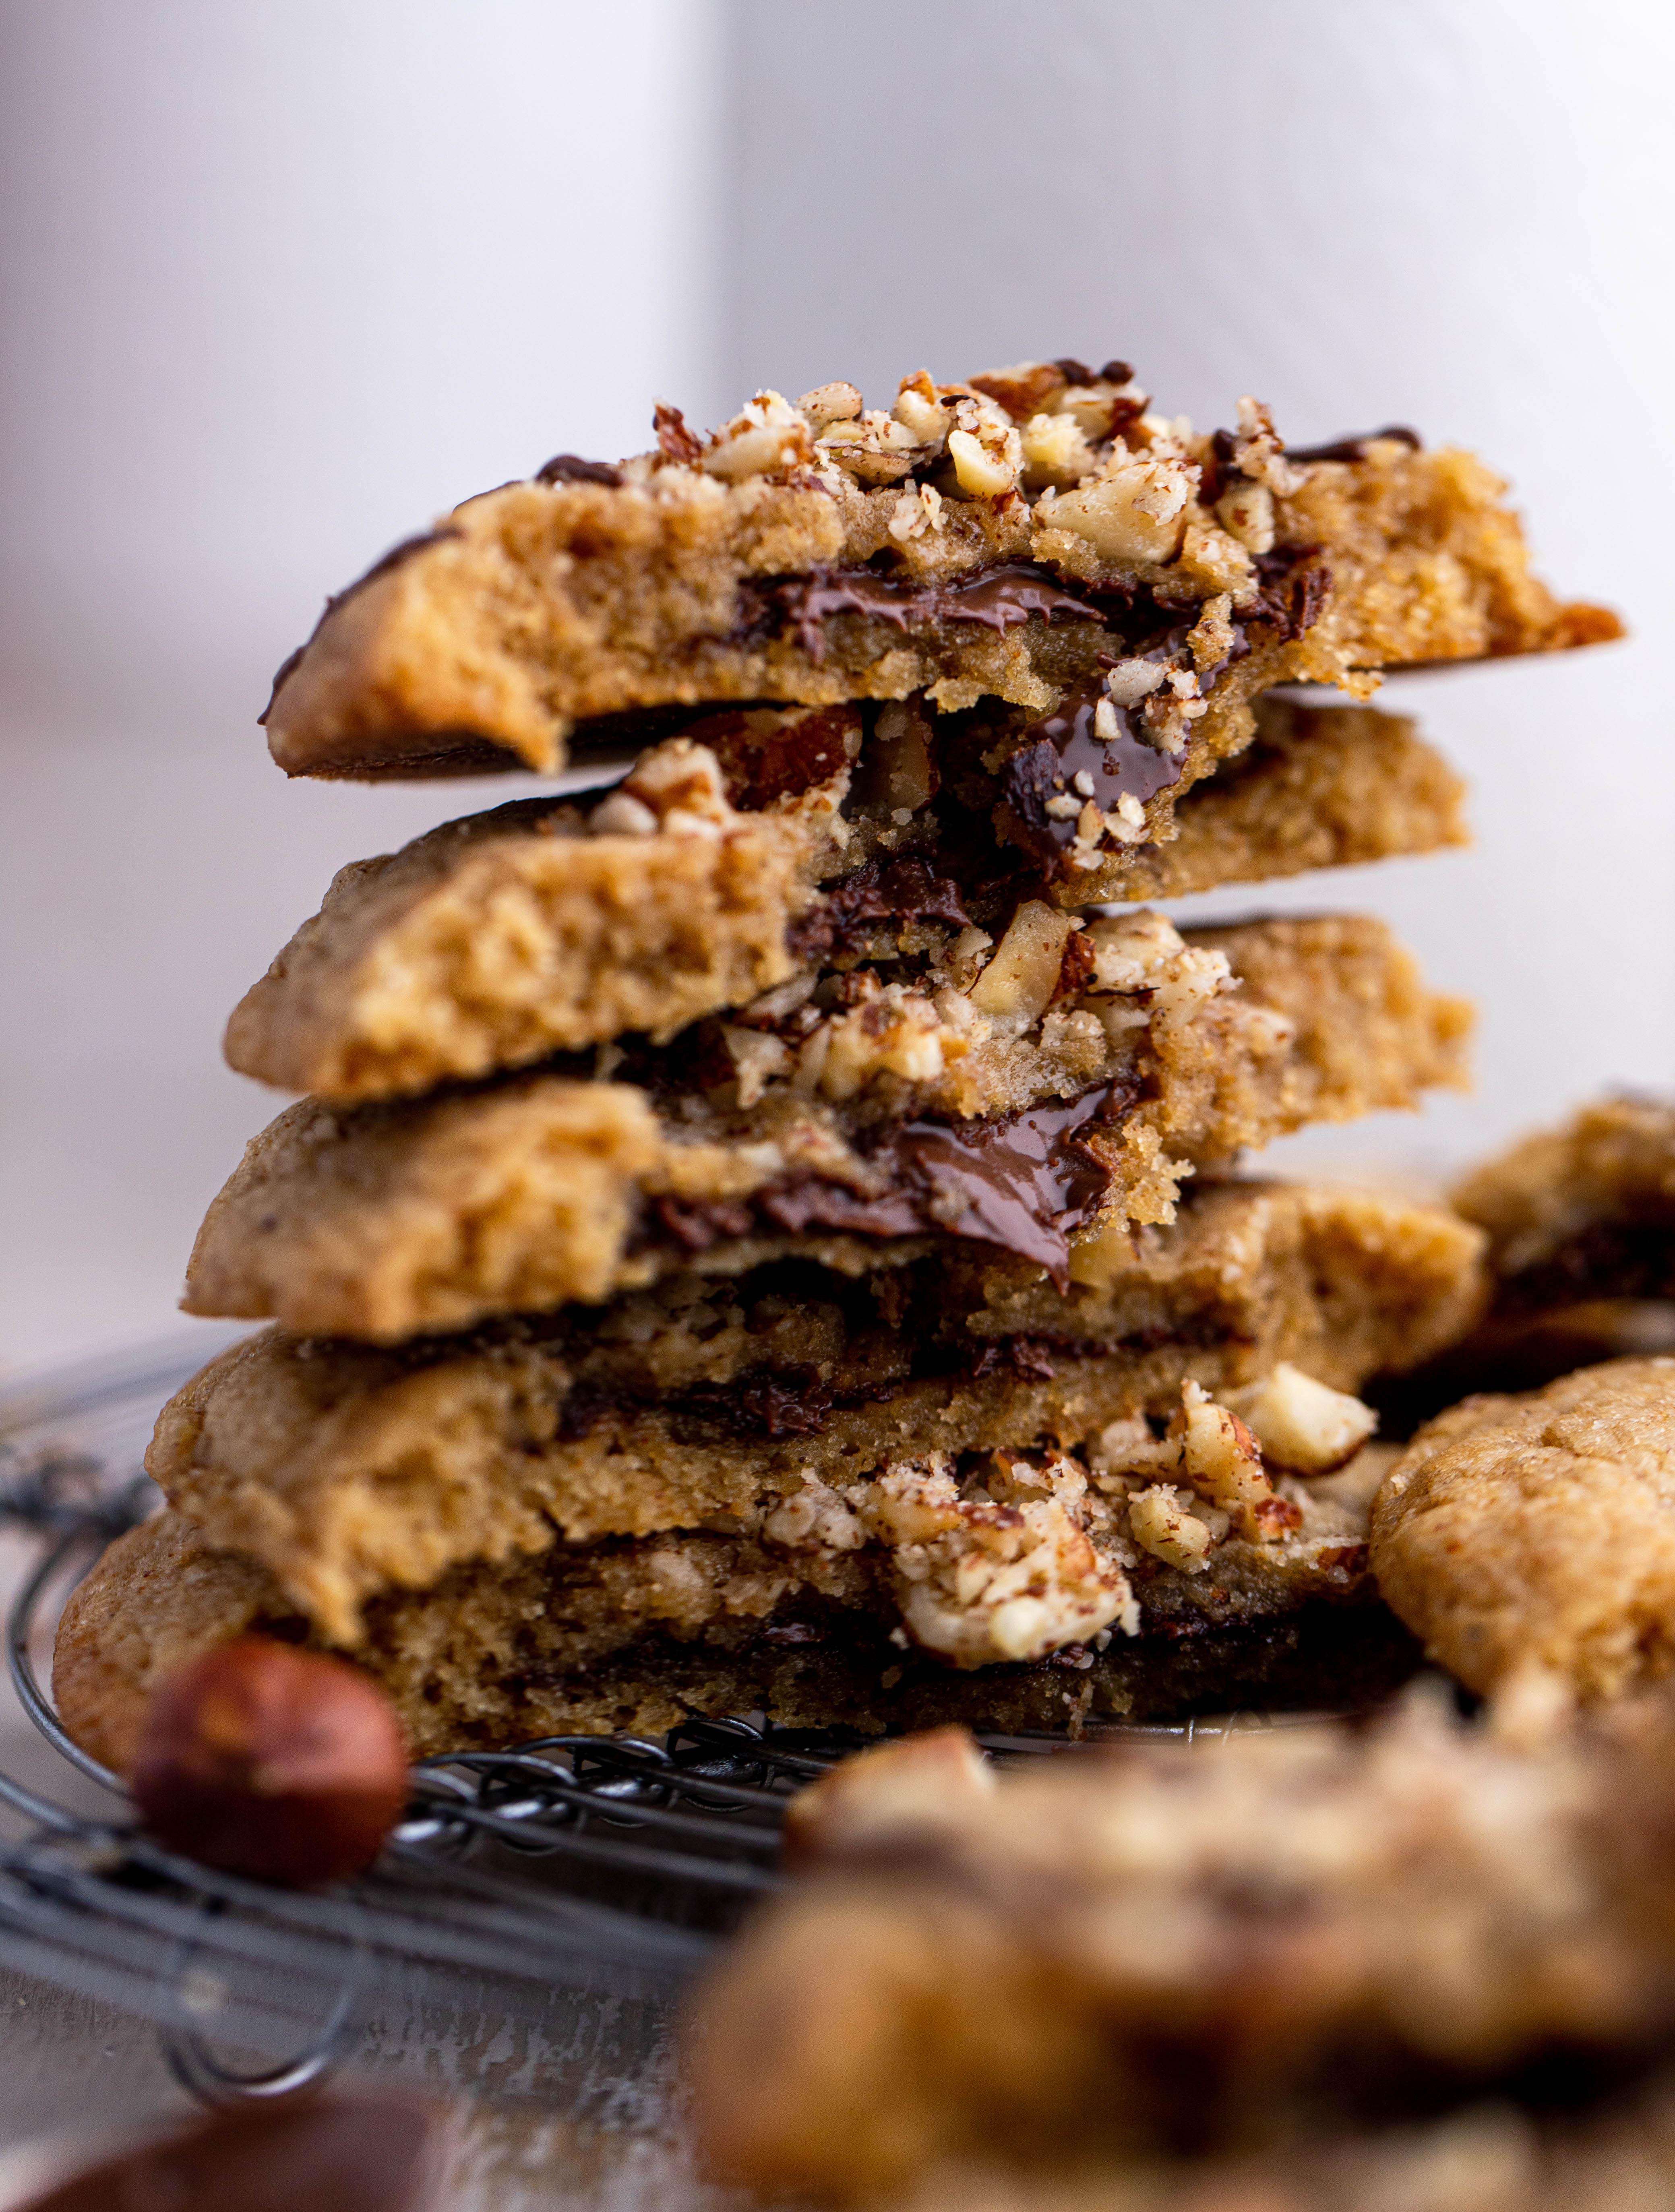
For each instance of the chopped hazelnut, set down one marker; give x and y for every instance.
(757, 1058)
(920, 411)
(1020, 979)
(1134, 511)
(985, 469)
(1131, 681)
(1304, 1425)
(1221, 1458)
(767, 436)
(830, 402)
(1160, 1523)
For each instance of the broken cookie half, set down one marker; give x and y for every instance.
(1041, 536)
(1075, 1079)
(717, 874)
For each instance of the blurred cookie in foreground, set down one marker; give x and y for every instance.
(1536, 1535)
(1487, 2157)
(1581, 1223)
(1165, 1953)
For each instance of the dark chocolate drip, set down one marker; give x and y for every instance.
(1025, 1181)
(999, 598)
(1061, 746)
(397, 557)
(1355, 449)
(570, 468)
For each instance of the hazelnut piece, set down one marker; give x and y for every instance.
(273, 1762)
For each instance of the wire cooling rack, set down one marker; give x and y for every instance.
(567, 1888)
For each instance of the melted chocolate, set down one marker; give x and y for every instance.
(999, 598)
(1355, 449)
(881, 890)
(811, 1202)
(570, 468)
(1025, 1181)
(1061, 746)
(397, 557)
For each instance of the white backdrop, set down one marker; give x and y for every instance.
(281, 280)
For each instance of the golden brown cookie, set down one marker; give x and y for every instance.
(498, 939)
(1010, 538)
(1537, 1534)
(1003, 1114)
(346, 1468)
(1164, 1950)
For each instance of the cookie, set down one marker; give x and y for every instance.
(538, 928)
(1536, 1535)
(1166, 1950)
(1582, 1212)
(1008, 537)
(1490, 2156)
(641, 1636)
(1003, 1114)
(346, 1468)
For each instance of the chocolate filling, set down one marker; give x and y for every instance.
(397, 557)
(1061, 747)
(1355, 449)
(881, 890)
(1025, 1181)
(998, 598)
(570, 468)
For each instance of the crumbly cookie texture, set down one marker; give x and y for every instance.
(493, 941)
(496, 940)
(1534, 1537)
(1159, 1951)
(640, 1636)
(992, 537)
(347, 1469)
(836, 1131)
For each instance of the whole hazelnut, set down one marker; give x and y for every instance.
(269, 1762)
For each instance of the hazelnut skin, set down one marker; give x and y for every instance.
(269, 1762)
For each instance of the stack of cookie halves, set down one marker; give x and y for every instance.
(760, 1235)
